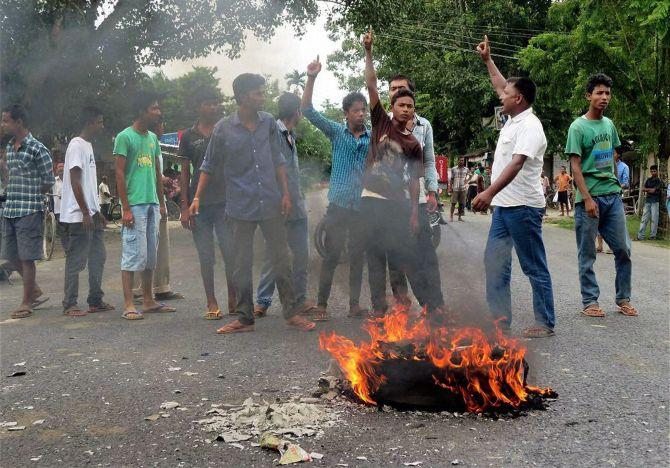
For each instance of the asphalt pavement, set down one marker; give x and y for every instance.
(93, 380)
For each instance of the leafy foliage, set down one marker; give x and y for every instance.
(58, 55)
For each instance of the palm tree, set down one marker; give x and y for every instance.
(296, 80)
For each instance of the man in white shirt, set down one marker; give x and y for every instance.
(518, 199)
(104, 197)
(80, 214)
(57, 189)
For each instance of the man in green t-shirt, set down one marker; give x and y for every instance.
(138, 181)
(592, 139)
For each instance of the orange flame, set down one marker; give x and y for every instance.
(487, 375)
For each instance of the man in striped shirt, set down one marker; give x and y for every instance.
(350, 147)
(30, 177)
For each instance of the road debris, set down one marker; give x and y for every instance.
(8, 423)
(292, 453)
(290, 418)
(168, 405)
(38, 422)
(20, 364)
(153, 417)
(416, 463)
(17, 374)
(316, 455)
(16, 428)
(233, 436)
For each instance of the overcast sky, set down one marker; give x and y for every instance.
(283, 54)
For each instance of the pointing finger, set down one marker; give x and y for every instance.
(317, 58)
(486, 40)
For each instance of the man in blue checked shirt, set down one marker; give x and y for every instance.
(350, 147)
(30, 177)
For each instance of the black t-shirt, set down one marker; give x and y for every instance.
(393, 158)
(193, 146)
(655, 183)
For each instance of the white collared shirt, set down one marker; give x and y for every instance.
(522, 134)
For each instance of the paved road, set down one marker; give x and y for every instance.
(94, 379)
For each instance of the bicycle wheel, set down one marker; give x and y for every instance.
(173, 211)
(115, 214)
(49, 238)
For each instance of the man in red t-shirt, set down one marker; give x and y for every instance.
(394, 164)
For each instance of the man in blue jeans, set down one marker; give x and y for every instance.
(592, 139)
(517, 195)
(296, 225)
(652, 190)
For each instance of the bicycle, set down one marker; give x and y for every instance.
(50, 224)
(114, 215)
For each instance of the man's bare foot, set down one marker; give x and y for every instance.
(235, 327)
(301, 323)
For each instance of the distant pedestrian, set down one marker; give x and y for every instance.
(104, 197)
(474, 185)
(30, 178)
(592, 139)
(563, 187)
(546, 183)
(652, 189)
(84, 236)
(209, 227)
(57, 190)
(138, 178)
(458, 188)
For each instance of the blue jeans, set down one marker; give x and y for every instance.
(139, 244)
(611, 223)
(650, 211)
(519, 227)
(298, 241)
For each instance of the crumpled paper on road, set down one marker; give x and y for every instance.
(295, 418)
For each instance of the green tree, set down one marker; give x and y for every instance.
(626, 39)
(433, 43)
(295, 81)
(57, 55)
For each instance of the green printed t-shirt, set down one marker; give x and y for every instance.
(142, 152)
(595, 141)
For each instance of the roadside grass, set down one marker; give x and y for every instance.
(633, 223)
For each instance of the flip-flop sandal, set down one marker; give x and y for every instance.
(160, 308)
(168, 296)
(301, 323)
(132, 315)
(213, 315)
(74, 311)
(593, 311)
(628, 310)
(38, 301)
(235, 327)
(321, 315)
(306, 309)
(538, 332)
(102, 307)
(21, 313)
(259, 311)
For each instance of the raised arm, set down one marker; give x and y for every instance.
(497, 79)
(370, 73)
(313, 69)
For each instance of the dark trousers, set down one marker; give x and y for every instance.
(104, 210)
(83, 247)
(387, 235)
(340, 223)
(274, 233)
(472, 194)
(428, 285)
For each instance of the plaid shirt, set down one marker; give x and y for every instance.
(458, 177)
(348, 160)
(30, 168)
